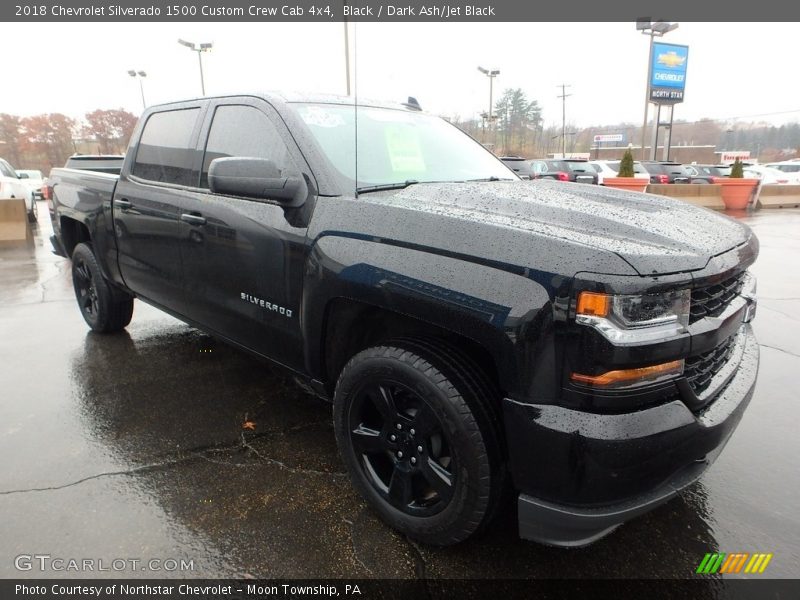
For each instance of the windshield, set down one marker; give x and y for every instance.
(787, 168)
(714, 171)
(724, 171)
(398, 146)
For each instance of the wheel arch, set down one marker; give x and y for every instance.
(73, 232)
(352, 326)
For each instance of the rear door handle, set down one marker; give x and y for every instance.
(123, 204)
(193, 219)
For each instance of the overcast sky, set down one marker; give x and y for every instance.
(734, 69)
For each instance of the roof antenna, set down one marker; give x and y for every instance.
(412, 103)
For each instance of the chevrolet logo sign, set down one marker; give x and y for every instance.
(671, 59)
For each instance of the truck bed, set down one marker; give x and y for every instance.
(78, 194)
(80, 190)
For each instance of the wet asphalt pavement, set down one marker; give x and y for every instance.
(161, 443)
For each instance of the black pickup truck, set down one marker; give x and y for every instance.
(588, 348)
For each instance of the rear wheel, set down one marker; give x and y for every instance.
(415, 432)
(104, 308)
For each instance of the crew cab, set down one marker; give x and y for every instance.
(589, 348)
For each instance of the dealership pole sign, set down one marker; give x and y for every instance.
(668, 73)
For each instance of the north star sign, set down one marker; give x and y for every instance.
(668, 73)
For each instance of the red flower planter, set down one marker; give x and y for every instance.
(632, 184)
(736, 192)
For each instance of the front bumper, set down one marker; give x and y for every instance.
(583, 474)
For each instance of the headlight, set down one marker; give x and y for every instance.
(635, 319)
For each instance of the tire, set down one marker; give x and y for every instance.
(104, 308)
(33, 214)
(418, 437)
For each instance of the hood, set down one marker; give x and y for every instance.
(653, 234)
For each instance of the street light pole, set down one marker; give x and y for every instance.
(563, 97)
(647, 93)
(491, 74)
(141, 75)
(199, 48)
(657, 29)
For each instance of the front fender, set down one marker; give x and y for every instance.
(509, 314)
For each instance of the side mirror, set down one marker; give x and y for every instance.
(256, 178)
(23, 176)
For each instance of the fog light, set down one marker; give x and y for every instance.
(630, 377)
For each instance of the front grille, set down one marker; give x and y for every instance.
(700, 369)
(711, 300)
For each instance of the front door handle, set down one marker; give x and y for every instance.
(123, 204)
(193, 219)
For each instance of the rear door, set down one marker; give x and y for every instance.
(164, 171)
(243, 258)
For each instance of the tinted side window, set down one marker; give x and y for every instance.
(164, 152)
(244, 131)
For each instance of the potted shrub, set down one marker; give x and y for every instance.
(626, 179)
(736, 189)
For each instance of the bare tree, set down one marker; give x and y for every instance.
(110, 128)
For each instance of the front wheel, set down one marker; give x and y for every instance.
(415, 431)
(104, 309)
(33, 213)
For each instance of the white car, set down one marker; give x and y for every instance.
(767, 175)
(790, 167)
(12, 186)
(610, 168)
(34, 180)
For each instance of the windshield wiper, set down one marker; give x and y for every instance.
(386, 186)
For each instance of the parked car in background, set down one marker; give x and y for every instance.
(707, 172)
(790, 167)
(14, 186)
(666, 172)
(768, 175)
(610, 168)
(702, 175)
(33, 180)
(582, 171)
(578, 171)
(520, 166)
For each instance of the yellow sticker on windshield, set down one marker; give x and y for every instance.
(405, 153)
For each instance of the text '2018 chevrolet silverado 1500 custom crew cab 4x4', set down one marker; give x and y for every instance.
(588, 347)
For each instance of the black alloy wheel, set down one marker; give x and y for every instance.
(418, 430)
(105, 309)
(85, 290)
(404, 451)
